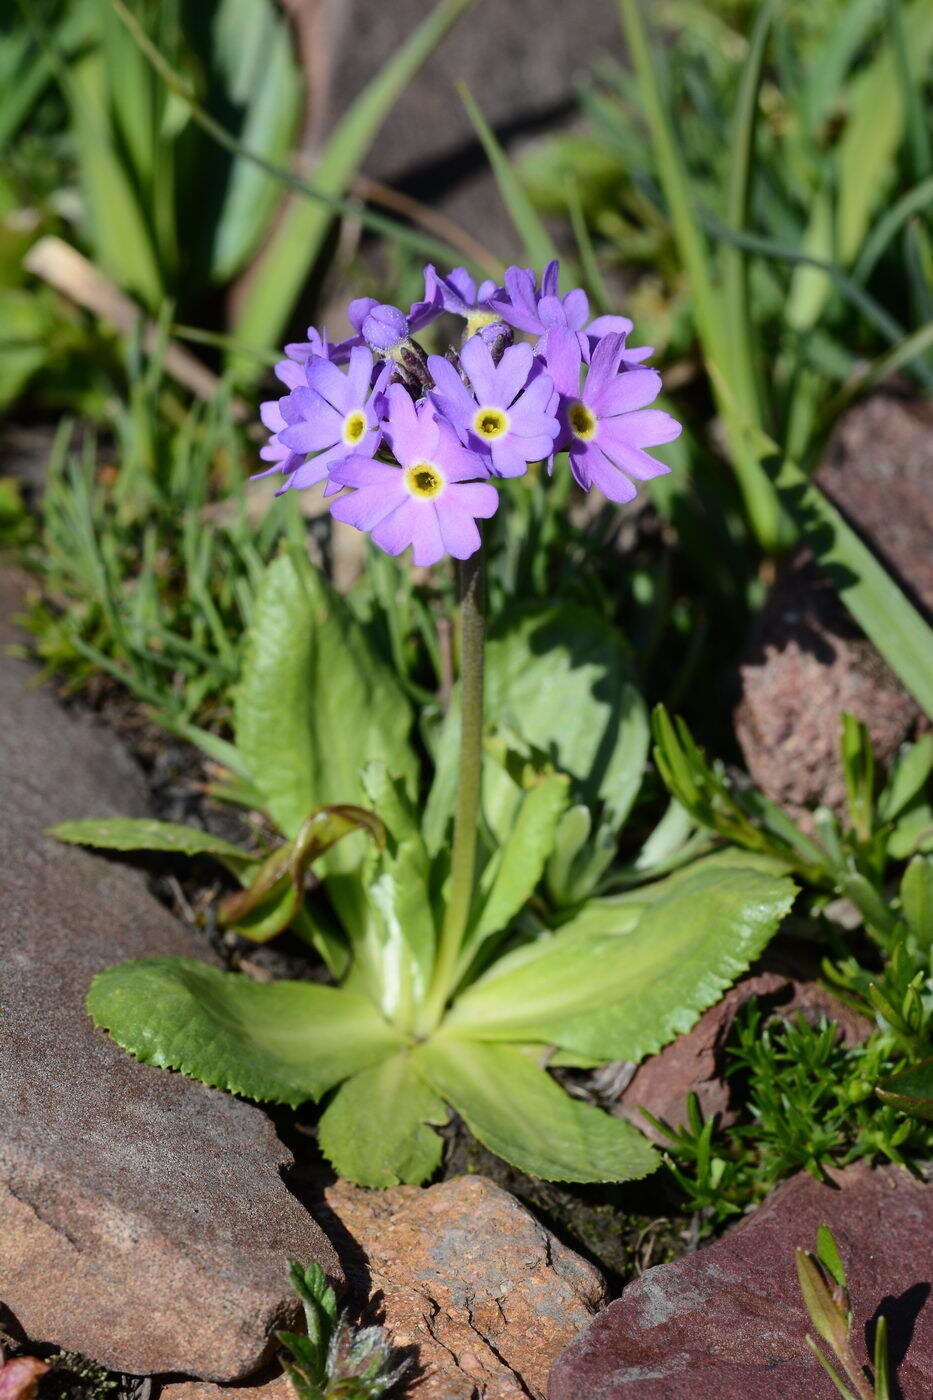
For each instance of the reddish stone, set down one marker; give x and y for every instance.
(465, 1277)
(728, 1322)
(692, 1064)
(144, 1219)
(808, 661)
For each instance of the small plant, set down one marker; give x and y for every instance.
(470, 943)
(822, 1279)
(808, 1102)
(335, 1361)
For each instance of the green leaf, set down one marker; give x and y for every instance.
(875, 128)
(536, 241)
(315, 704)
(828, 1253)
(276, 889)
(395, 938)
(560, 679)
(510, 878)
(622, 995)
(279, 1041)
(377, 1129)
(134, 834)
(908, 777)
(911, 1091)
(864, 585)
(252, 42)
(291, 252)
(520, 1113)
(917, 899)
(121, 238)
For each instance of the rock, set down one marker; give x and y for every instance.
(278, 1387)
(521, 62)
(19, 1379)
(145, 1222)
(728, 1321)
(464, 1274)
(808, 661)
(693, 1062)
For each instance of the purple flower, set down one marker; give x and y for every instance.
(459, 294)
(330, 414)
(316, 346)
(431, 500)
(505, 415)
(536, 312)
(607, 423)
(382, 327)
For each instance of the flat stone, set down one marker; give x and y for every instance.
(807, 660)
(728, 1322)
(277, 1388)
(144, 1220)
(693, 1063)
(468, 1279)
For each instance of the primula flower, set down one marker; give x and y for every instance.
(536, 312)
(505, 414)
(460, 295)
(332, 415)
(316, 346)
(431, 500)
(382, 327)
(607, 423)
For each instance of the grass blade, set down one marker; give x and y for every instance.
(536, 241)
(757, 490)
(869, 592)
(733, 261)
(276, 280)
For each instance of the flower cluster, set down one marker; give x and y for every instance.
(414, 442)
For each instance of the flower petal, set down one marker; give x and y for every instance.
(511, 373)
(633, 388)
(459, 531)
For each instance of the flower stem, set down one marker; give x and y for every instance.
(469, 772)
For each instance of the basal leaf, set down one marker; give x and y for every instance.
(395, 936)
(624, 995)
(511, 877)
(280, 1041)
(275, 891)
(314, 703)
(133, 834)
(520, 1113)
(559, 678)
(377, 1129)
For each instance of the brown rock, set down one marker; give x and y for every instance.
(693, 1062)
(19, 1378)
(143, 1217)
(728, 1321)
(467, 1276)
(278, 1387)
(808, 661)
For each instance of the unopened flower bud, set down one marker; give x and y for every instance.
(498, 337)
(384, 329)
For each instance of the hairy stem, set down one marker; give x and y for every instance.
(463, 853)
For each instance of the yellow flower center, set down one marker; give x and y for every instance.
(477, 319)
(354, 426)
(491, 422)
(424, 480)
(583, 422)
